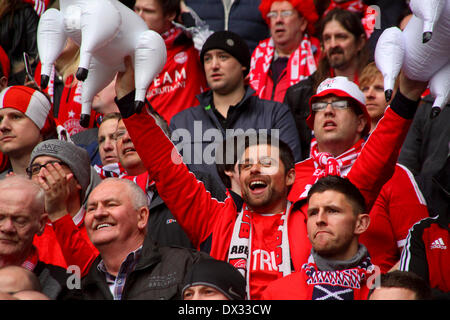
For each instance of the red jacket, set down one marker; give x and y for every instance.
(63, 244)
(202, 216)
(398, 207)
(182, 78)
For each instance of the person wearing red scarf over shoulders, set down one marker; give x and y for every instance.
(290, 54)
(345, 53)
(182, 78)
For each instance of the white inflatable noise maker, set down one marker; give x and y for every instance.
(107, 31)
(422, 50)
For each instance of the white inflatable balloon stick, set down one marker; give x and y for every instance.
(429, 12)
(389, 54)
(107, 31)
(426, 41)
(440, 87)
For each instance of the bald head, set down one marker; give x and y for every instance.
(14, 279)
(22, 216)
(28, 192)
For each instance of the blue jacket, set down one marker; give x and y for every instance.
(199, 130)
(243, 18)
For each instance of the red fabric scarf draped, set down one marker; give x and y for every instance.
(301, 64)
(326, 164)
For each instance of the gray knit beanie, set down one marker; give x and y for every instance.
(70, 154)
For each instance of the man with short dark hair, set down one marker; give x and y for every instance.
(400, 285)
(176, 86)
(229, 108)
(339, 265)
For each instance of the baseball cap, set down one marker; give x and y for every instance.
(344, 88)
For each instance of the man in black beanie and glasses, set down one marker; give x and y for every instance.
(229, 108)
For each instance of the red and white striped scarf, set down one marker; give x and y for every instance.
(370, 15)
(326, 164)
(301, 64)
(242, 239)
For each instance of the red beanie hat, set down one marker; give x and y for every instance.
(306, 8)
(32, 103)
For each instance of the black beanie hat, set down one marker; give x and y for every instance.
(217, 274)
(231, 43)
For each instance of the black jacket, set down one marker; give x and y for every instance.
(426, 153)
(297, 98)
(158, 275)
(18, 34)
(54, 280)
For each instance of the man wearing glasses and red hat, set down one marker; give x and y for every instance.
(290, 54)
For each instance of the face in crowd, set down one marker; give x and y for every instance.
(286, 25)
(340, 46)
(153, 14)
(264, 179)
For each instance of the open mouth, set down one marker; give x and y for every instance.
(257, 186)
(128, 150)
(329, 124)
(103, 225)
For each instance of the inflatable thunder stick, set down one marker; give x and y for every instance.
(106, 31)
(422, 50)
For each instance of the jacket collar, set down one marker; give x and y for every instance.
(150, 255)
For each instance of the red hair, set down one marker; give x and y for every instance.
(305, 7)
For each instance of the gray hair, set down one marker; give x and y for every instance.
(137, 195)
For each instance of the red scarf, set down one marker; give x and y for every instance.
(301, 64)
(370, 15)
(326, 164)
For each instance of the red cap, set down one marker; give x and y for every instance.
(344, 88)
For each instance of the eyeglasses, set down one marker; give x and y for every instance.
(283, 14)
(34, 169)
(339, 105)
